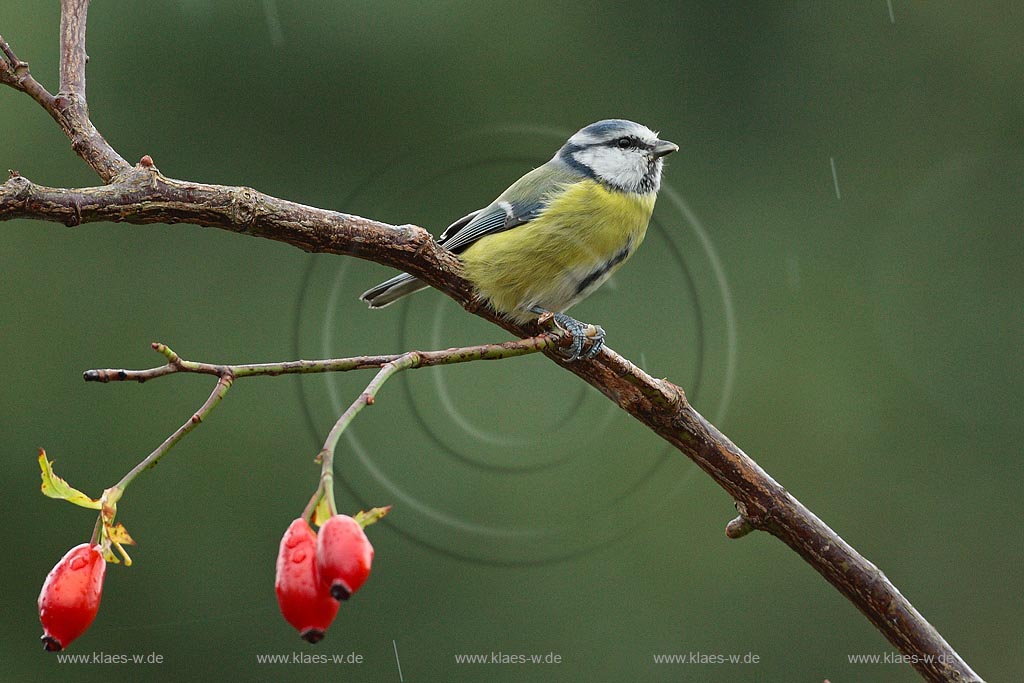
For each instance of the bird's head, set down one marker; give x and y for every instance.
(624, 155)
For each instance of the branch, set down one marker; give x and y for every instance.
(14, 72)
(412, 359)
(227, 374)
(142, 195)
(73, 58)
(465, 354)
(224, 382)
(68, 108)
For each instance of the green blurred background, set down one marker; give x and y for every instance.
(834, 275)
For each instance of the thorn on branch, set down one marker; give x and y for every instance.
(146, 161)
(12, 174)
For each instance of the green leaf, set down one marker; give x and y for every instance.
(368, 517)
(55, 487)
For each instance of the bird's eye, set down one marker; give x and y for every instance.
(624, 143)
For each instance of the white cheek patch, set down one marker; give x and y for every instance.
(622, 168)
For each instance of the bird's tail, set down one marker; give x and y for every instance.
(392, 290)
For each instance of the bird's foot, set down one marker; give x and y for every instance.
(578, 333)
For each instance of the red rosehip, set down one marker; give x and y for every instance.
(343, 556)
(302, 601)
(71, 594)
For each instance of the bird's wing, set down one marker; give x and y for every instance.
(450, 231)
(519, 204)
(497, 217)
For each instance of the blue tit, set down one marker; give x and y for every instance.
(560, 231)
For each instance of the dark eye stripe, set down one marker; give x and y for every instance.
(627, 142)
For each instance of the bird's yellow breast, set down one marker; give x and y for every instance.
(585, 233)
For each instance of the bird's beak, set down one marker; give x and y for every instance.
(663, 147)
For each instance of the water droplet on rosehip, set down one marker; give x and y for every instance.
(78, 563)
(299, 557)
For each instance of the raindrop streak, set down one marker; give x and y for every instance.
(793, 273)
(401, 679)
(835, 176)
(892, 17)
(273, 22)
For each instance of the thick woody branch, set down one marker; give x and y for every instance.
(73, 16)
(142, 195)
(70, 108)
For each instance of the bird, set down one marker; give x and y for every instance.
(559, 232)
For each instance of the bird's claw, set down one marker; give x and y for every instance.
(596, 343)
(579, 332)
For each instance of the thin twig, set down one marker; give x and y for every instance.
(176, 363)
(15, 73)
(223, 384)
(9, 54)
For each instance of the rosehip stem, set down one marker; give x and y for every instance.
(388, 370)
(96, 530)
(223, 384)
